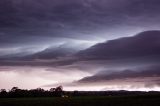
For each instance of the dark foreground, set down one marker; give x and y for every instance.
(147, 100)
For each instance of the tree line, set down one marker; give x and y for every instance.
(39, 92)
(15, 92)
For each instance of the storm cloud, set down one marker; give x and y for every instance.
(92, 37)
(28, 23)
(141, 45)
(153, 71)
(143, 48)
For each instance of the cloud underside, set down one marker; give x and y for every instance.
(152, 72)
(142, 48)
(38, 21)
(131, 61)
(53, 33)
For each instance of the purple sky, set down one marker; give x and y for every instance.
(80, 44)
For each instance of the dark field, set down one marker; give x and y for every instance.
(84, 101)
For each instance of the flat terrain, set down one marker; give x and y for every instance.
(84, 101)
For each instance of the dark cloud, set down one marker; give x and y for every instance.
(23, 22)
(36, 62)
(131, 79)
(142, 49)
(150, 72)
(142, 45)
(41, 33)
(53, 53)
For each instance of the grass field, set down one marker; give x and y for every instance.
(83, 101)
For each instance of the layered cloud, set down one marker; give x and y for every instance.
(141, 45)
(125, 63)
(68, 35)
(142, 48)
(126, 74)
(39, 22)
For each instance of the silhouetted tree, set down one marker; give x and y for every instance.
(3, 93)
(40, 90)
(3, 90)
(59, 91)
(52, 89)
(14, 89)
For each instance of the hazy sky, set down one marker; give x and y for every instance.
(80, 44)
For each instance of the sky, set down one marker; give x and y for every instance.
(80, 44)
